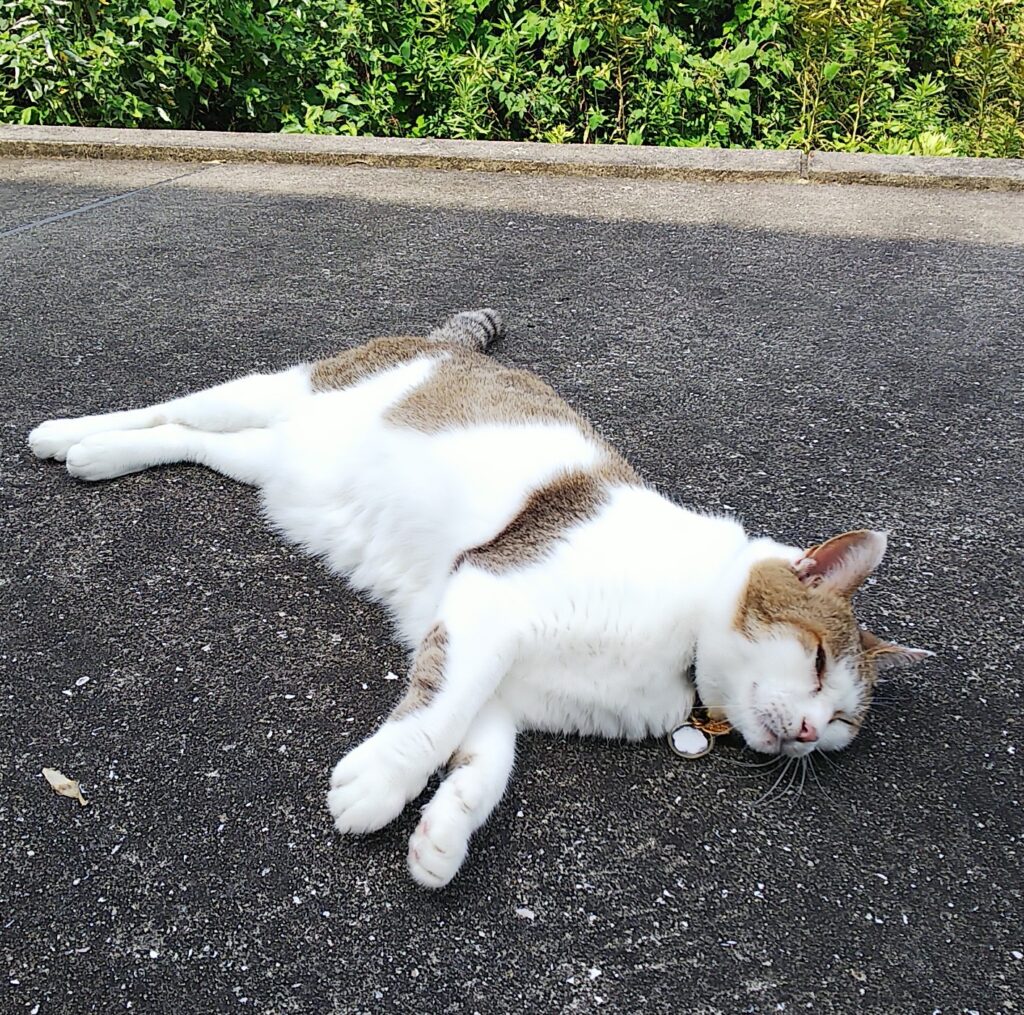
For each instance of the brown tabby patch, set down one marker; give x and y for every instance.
(568, 500)
(460, 759)
(775, 595)
(467, 389)
(354, 365)
(426, 678)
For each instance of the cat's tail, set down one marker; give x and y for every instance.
(477, 329)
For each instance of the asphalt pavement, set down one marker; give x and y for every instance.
(811, 358)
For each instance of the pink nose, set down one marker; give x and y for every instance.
(808, 734)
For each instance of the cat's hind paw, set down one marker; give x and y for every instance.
(370, 787)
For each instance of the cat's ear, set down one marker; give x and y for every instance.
(841, 564)
(887, 653)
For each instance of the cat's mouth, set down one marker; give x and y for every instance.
(767, 740)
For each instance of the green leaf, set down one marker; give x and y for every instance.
(744, 51)
(830, 70)
(739, 74)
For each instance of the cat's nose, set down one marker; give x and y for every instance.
(808, 733)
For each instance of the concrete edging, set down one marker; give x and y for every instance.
(916, 170)
(636, 162)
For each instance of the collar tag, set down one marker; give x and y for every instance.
(690, 742)
(696, 737)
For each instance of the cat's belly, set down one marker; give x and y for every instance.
(606, 691)
(392, 508)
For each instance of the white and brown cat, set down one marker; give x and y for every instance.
(540, 582)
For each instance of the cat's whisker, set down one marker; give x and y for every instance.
(818, 782)
(758, 774)
(754, 764)
(824, 757)
(803, 778)
(794, 768)
(787, 785)
(782, 775)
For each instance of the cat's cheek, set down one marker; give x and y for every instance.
(757, 737)
(837, 740)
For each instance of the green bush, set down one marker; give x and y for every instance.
(931, 76)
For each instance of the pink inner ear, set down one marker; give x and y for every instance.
(828, 555)
(832, 556)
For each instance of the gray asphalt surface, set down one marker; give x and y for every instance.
(810, 358)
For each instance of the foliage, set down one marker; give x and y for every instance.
(925, 76)
(910, 76)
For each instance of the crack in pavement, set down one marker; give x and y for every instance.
(14, 230)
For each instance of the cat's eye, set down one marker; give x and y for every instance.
(819, 665)
(839, 717)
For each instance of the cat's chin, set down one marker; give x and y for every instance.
(795, 749)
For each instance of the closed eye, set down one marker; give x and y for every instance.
(819, 665)
(846, 719)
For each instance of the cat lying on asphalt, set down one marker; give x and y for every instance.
(542, 584)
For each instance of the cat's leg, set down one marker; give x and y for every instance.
(245, 455)
(478, 773)
(254, 401)
(457, 668)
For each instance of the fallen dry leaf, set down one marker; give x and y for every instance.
(61, 784)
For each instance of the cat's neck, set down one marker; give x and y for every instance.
(716, 627)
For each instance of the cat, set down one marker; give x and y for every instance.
(541, 584)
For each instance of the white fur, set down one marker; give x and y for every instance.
(598, 638)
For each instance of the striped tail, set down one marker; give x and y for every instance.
(477, 329)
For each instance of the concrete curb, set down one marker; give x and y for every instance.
(405, 153)
(724, 164)
(916, 171)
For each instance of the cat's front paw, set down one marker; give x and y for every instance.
(371, 785)
(439, 844)
(55, 437)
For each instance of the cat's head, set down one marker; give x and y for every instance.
(790, 667)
